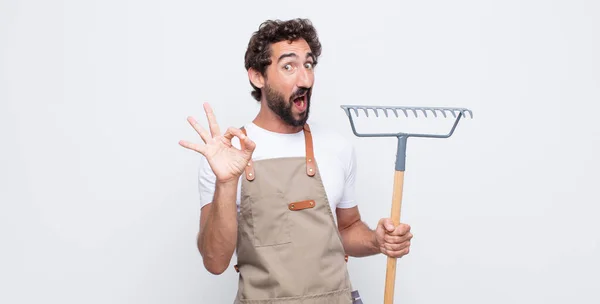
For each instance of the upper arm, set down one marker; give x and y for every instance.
(347, 217)
(347, 210)
(348, 199)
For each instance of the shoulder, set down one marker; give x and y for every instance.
(329, 138)
(332, 145)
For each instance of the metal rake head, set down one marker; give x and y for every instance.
(457, 113)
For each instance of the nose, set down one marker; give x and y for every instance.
(304, 78)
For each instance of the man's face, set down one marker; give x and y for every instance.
(289, 80)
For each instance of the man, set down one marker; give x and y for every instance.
(280, 193)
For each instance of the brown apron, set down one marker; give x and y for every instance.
(289, 249)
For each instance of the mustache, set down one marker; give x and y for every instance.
(300, 92)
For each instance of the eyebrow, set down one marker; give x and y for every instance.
(283, 56)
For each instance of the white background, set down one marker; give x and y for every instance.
(99, 203)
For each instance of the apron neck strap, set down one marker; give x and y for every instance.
(311, 168)
(310, 155)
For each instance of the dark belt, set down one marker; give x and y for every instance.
(356, 298)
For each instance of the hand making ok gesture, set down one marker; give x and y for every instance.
(225, 160)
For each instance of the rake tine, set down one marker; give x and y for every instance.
(376, 113)
(424, 112)
(445, 111)
(415, 112)
(365, 110)
(347, 111)
(385, 112)
(355, 111)
(405, 113)
(395, 112)
(434, 113)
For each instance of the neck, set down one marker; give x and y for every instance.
(268, 120)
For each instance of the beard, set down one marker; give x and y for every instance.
(283, 108)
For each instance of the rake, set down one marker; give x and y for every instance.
(457, 113)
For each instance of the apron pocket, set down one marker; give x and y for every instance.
(270, 220)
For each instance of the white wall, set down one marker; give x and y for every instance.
(99, 203)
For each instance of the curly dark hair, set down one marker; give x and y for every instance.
(258, 53)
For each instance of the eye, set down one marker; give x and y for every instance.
(309, 65)
(287, 67)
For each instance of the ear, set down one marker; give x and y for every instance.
(256, 78)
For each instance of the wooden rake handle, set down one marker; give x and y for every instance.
(390, 276)
(458, 113)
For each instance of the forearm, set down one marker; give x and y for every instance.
(218, 234)
(359, 240)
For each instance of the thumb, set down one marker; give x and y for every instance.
(387, 224)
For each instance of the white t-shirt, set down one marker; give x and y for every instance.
(334, 155)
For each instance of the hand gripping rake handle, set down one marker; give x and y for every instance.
(457, 113)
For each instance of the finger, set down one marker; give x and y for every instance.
(396, 247)
(199, 129)
(396, 239)
(212, 120)
(192, 146)
(397, 254)
(231, 132)
(247, 144)
(401, 229)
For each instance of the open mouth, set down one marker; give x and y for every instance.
(301, 102)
